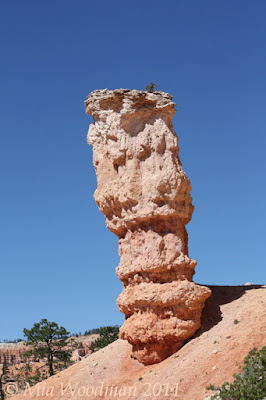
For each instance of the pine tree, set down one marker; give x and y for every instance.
(108, 334)
(50, 342)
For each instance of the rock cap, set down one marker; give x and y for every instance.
(126, 100)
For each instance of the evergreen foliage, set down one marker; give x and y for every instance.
(50, 342)
(108, 334)
(250, 383)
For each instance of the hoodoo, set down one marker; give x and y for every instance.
(145, 197)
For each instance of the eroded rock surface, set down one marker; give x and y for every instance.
(145, 197)
(12, 353)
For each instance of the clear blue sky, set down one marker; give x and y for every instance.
(57, 257)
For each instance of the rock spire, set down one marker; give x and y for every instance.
(145, 197)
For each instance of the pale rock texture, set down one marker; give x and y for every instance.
(12, 353)
(145, 197)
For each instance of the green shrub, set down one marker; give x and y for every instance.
(150, 87)
(108, 334)
(250, 383)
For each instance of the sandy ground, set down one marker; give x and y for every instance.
(211, 356)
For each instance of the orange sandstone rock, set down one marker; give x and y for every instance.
(145, 197)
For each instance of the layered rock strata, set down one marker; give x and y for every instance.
(145, 197)
(12, 353)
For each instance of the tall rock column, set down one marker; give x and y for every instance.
(145, 197)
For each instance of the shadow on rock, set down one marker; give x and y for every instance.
(211, 314)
